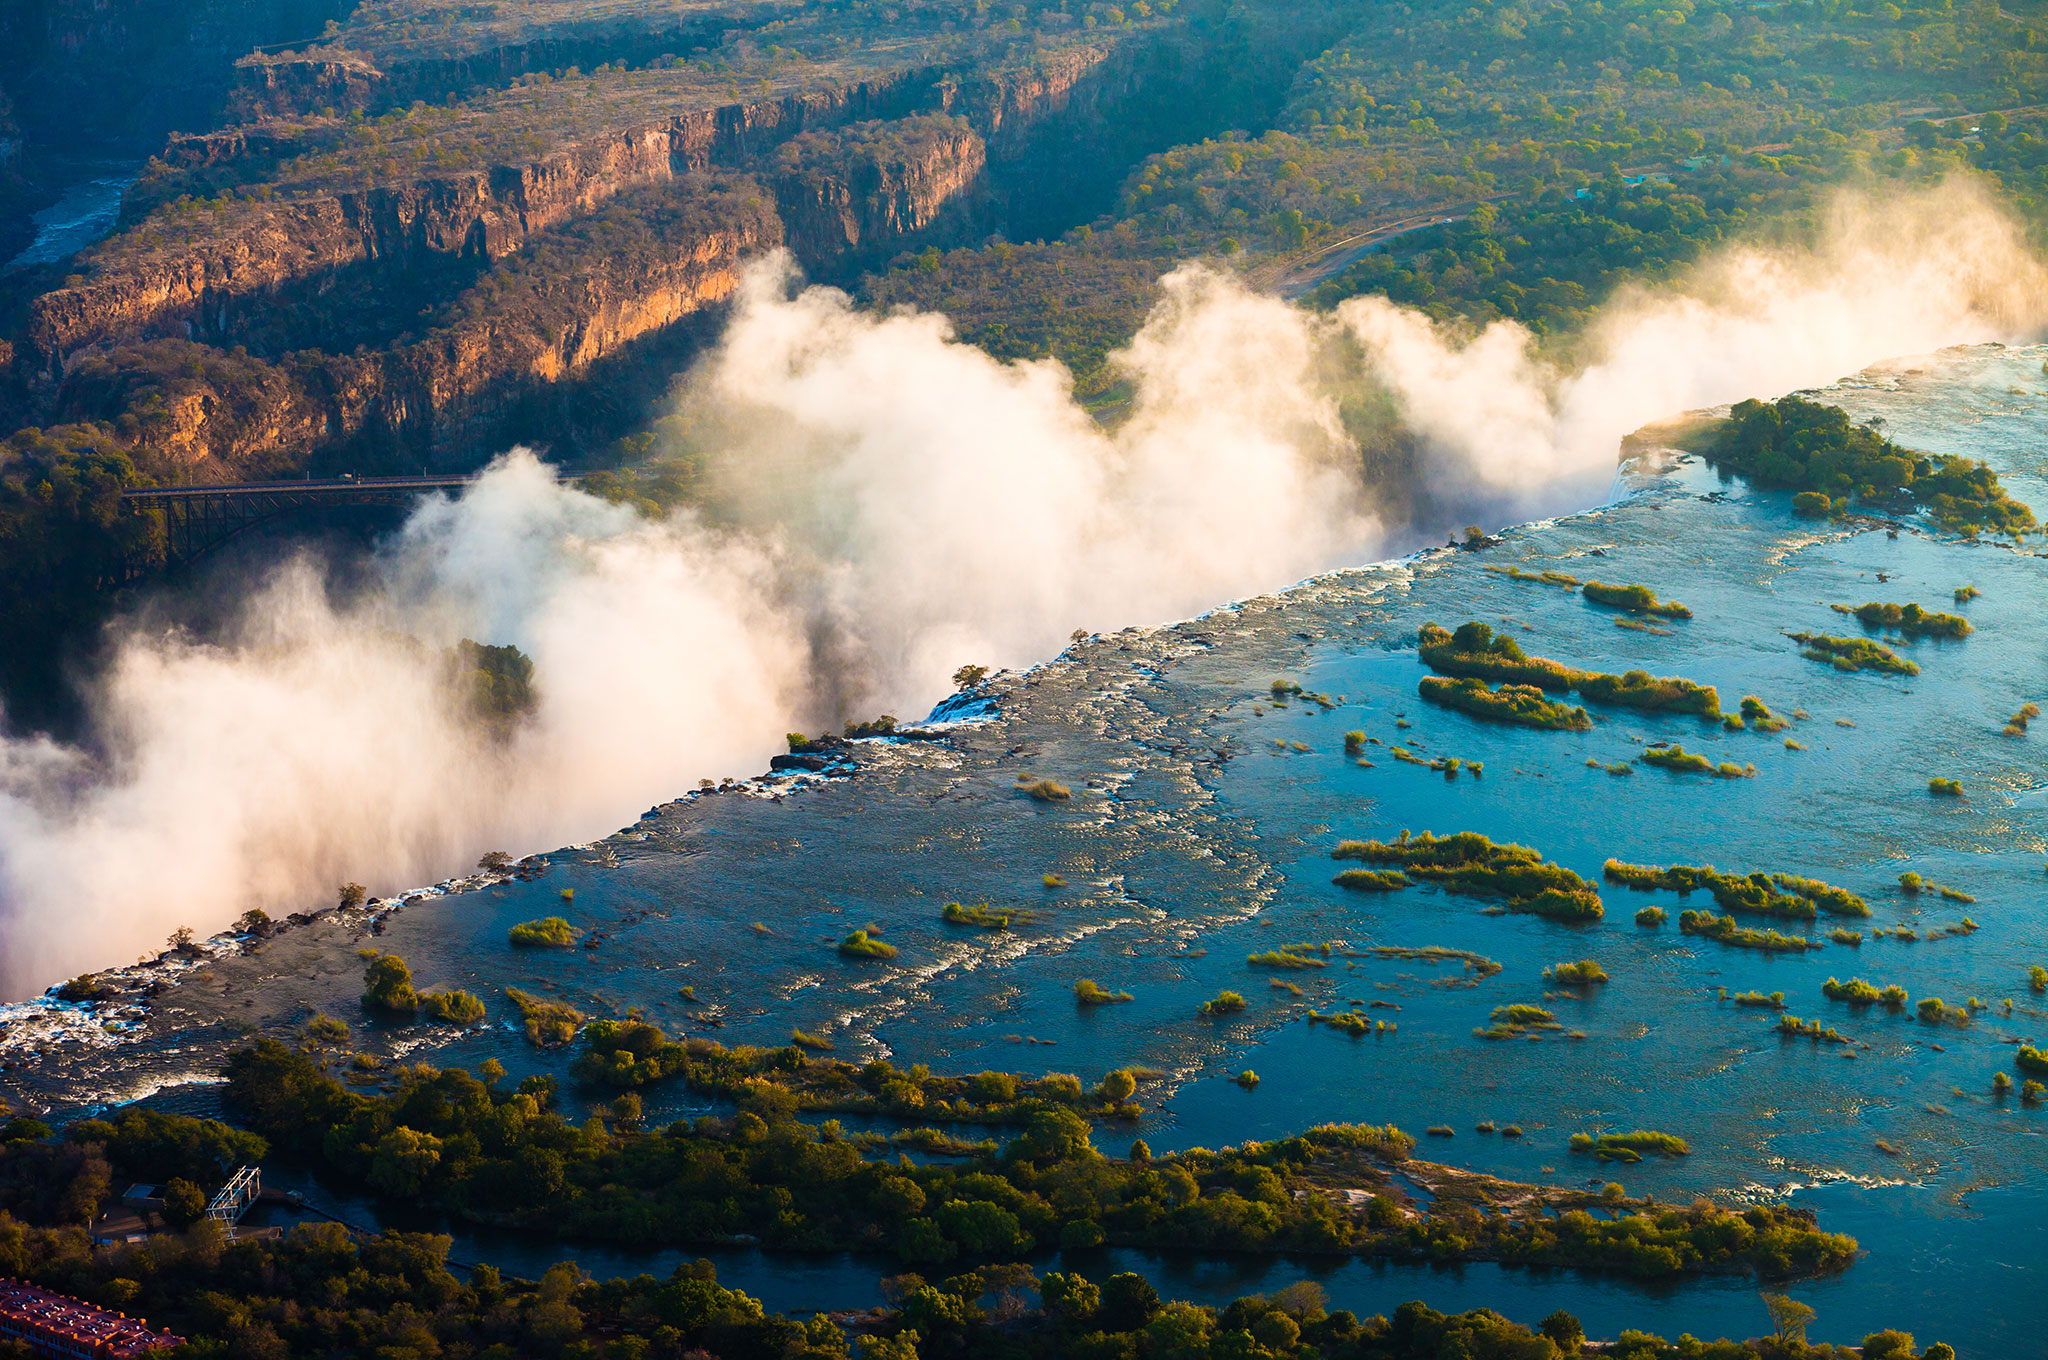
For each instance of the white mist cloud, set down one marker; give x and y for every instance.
(886, 504)
(1900, 277)
(948, 508)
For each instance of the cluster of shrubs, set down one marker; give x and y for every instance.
(1857, 992)
(1853, 654)
(1757, 894)
(1469, 864)
(549, 932)
(1475, 651)
(446, 1142)
(1815, 451)
(1635, 599)
(1678, 760)
(388, 991)
(1728, 930)
(1909, 620)
(1521, 705)
(1630, 1147)
(984, 916)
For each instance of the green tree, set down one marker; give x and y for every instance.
(387, 986)
(1789, 1317)
(184, 1203)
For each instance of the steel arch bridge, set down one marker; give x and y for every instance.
(200, 519)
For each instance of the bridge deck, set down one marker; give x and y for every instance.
(326, 486)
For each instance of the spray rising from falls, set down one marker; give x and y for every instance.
(886, 504)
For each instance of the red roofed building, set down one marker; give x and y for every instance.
(56, 1325)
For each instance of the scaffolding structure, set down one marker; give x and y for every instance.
(232, 1200)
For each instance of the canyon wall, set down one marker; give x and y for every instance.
(849, 196)
(425, 323)
(257, 255)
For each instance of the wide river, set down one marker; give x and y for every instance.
(1199, 832)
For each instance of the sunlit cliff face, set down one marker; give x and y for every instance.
(885, 505)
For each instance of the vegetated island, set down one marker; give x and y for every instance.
(1909, 620)
(1813, 450)
(1470, 865)
(862, 945)
(1475, 651)
(1681, 761)
(1634, 600)
(321, 1288)
(1758, 894)
(549, 932)
(1853, 654)
(1630, 1147)
(1548, 578)
(1521, 705)
(1729, 931)
(507, 1157)
(984, 916)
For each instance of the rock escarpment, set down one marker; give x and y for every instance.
(512, 357)
(874, 187)
(414, 289)
(245, 257)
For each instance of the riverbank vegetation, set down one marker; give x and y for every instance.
(1373, 880)
(387, 986)
(1793, 444)
(1476, 966)
(321, 1289)
(1475, 651)
(548, 1024)
(1521, 705)
(445, 1141)
(1470, 865)
(1792, 1027)
(1286, 958)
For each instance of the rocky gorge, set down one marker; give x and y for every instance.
(264, 310)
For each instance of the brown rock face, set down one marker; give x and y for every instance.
(487, 378)
(875, 186)
(506, 361)
(207, 290)
(428, 323)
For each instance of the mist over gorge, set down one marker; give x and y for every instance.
(885, 504)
